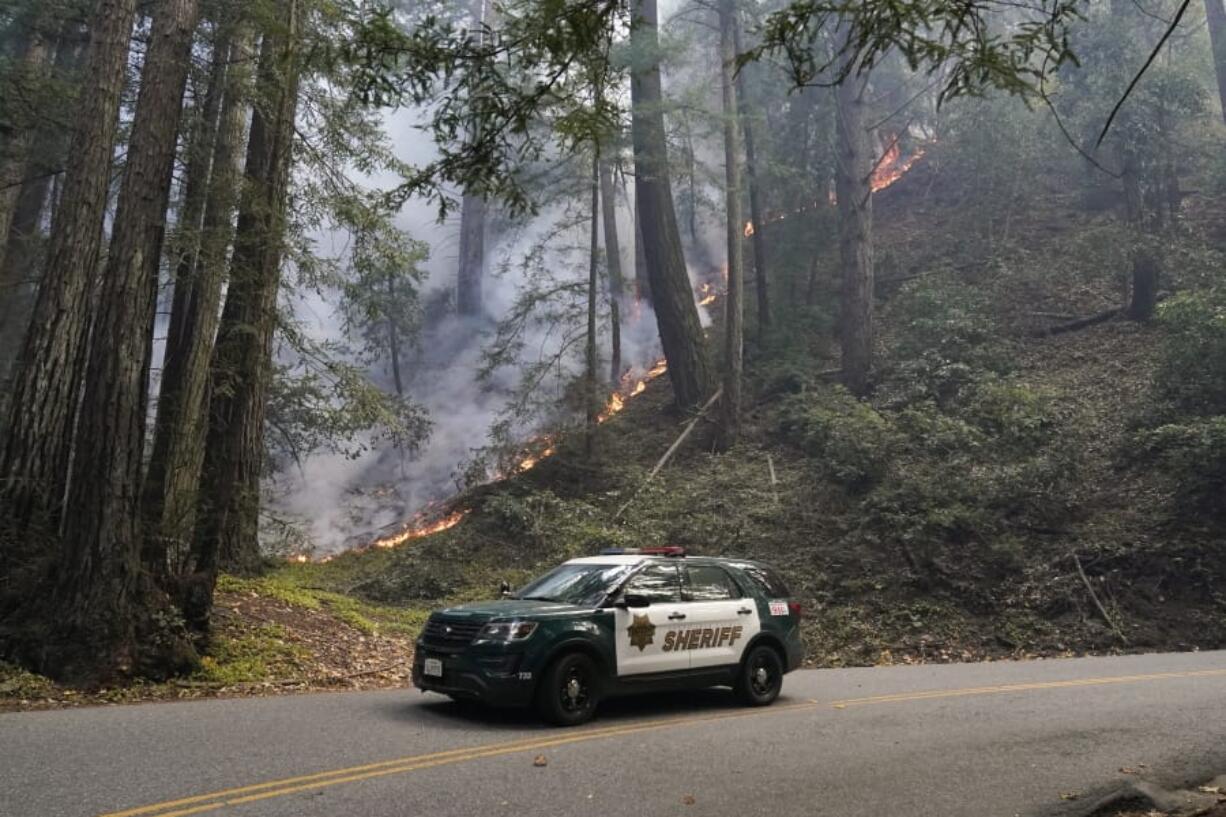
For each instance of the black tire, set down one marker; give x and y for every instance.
(760, 677)
(569, 691)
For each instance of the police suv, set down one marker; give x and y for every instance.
(628, 620)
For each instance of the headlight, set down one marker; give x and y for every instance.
(507, 631)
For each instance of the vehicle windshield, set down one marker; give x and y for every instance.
(582, 584)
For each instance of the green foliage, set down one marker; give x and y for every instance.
(261, 654)
(16, 682)
(1185, 436)
(1192, 374)
(847, 438)
(945, 341)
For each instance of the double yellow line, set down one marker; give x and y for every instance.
(212, 801)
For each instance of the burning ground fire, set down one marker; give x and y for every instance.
(420, 526)
(889, 169)
(541, 448)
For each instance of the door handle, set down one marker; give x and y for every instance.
(676, 616)
(744, 611)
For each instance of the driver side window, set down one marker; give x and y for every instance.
(658, 583)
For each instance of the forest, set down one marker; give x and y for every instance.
(383, 302)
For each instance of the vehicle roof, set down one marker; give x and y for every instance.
(638, 558)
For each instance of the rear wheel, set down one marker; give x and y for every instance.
(760, 677)
(569, 690)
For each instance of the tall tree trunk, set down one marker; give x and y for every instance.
(613, 254)
(591, 394)
(173, 475)
(37, 440)
(1145, 263)
(97, 595)
(33, 64)
(228, 526)
(734, 316)
(393, 336)
(642, 283)
(1215, 11)
(472, 256)
(21, 258)
(756, 213)
(855, 203)
(685, 348)
(473, 208)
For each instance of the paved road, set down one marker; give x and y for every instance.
(977, 740)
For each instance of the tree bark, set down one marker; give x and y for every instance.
(1145, 264)
(730, 403)
(228, 526)
(35, 452)
(1215, 11)
(33, 66)
(393, 336)
(612, 251)
(756, 212)
(855, 203)
(96, 591)
(469, 300)
(642, 283)
(24, 247)
(689, 366)
(173, 475)
(591, 395)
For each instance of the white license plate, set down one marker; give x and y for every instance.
(433, 666)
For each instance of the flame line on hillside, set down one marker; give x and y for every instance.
(545, 446)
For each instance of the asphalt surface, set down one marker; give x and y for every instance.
(975, 739)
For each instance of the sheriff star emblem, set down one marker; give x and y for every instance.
(642, 632)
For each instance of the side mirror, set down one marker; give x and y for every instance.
(504, 588)
(633, 600)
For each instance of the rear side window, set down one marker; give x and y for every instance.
(709, 583)
(767, 580)
(659, 583)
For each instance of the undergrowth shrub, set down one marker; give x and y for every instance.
(946, 341)
(848, 440)
(1184, 436)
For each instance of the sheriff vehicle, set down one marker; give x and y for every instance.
(625, 621)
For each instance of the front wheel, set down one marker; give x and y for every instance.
(760, 677)
(569, 691)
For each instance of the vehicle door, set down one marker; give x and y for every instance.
(639, 631)
(719, 620)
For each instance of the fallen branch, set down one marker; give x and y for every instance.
(1094, 596)
(1080, 323)
(672, 449)
(770, 465)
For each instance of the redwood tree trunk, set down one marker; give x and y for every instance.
(173, 474)
(37, 439)
(33, 65)
(730, 402)
(21, 257)
(228, 526)
(469, 300)
(96, 593)
(689, 365)
(591, 396)
(1216, 14)
(855, 203)
(613, 255)
(756, 212)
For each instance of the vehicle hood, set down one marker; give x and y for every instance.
(513, 608)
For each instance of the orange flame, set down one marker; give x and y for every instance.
(418, 530)
(892, 166)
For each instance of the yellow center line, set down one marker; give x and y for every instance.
(278, 788)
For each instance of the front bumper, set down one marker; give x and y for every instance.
(495, 677)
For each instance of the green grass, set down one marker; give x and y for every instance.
(262, 654)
